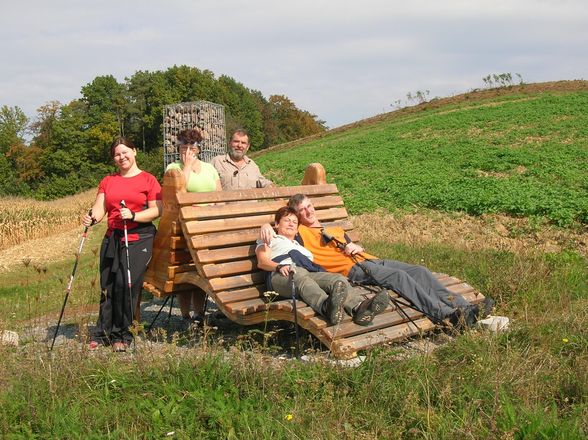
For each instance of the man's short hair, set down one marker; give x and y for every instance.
(296, 200)
(240, 132)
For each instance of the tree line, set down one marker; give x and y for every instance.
(67, 150)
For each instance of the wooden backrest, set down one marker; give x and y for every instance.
(223, 227)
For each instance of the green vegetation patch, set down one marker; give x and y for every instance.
(525, 155)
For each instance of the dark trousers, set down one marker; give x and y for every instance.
(117, 304)
(415, 283)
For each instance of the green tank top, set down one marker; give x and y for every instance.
(204, 181)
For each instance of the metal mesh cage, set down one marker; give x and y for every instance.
(206, 116)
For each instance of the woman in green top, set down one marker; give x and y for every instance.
(200, 177)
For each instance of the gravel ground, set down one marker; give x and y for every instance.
(276, 339)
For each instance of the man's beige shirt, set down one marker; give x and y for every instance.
(233, 177)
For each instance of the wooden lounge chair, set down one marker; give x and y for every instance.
(208, 240)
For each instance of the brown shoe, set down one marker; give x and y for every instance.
(368, 308)
(335, 301)
(119, 347)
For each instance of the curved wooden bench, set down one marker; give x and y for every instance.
(219, 229)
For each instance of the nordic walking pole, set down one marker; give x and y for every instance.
(71, 278)
(293, 287)
(129, 283)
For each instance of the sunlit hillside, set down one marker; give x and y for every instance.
(520, 151)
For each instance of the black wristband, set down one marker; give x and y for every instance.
(132, 216)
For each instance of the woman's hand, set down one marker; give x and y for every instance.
(127, 214)
(88, 220)
(188, 157)
(284, 271)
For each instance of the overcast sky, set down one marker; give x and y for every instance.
(341, 60)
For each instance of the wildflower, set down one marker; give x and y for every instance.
(169, 434)
(565, 340)
(288, 417)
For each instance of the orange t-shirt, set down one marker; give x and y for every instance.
(328, 255)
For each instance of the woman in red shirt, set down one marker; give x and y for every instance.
(142, 196)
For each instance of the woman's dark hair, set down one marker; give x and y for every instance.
(189, 136)
(283, 212)
(121, 140)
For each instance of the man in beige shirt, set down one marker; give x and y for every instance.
(236, 170)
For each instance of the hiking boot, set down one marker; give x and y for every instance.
(463, 318)
(486, 306)
(335, 301)
(368, 308)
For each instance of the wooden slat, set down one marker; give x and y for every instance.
(323, 202)
(218, 239)
(176, 228)
(205, 256)
(179, 257)
(449, 281)
(254, 194)
(256, 221)
(247, 306)
(232, 268)
(461, 288)
(238, 281)
(382, 320)
(178, 242)
(227, 224)
(189, 212)
(230, 296)
(172, 271)
(353, 344)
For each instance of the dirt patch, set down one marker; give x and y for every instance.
(42, 251)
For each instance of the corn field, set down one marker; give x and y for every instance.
(24, 219)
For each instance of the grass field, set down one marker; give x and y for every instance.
(518, 154)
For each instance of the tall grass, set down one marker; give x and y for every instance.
(529, 383)
(24, 219)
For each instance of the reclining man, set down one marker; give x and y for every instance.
(336, 253)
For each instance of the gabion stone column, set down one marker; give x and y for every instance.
(206, 116)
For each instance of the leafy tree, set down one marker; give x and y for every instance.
(42, 127)
(69, 150)
(290, 122)
(13, 124)
(103, 96)
(27, 163)
(241, 110)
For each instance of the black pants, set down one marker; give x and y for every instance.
(117, 304)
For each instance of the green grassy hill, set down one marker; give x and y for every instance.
(522, 151)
